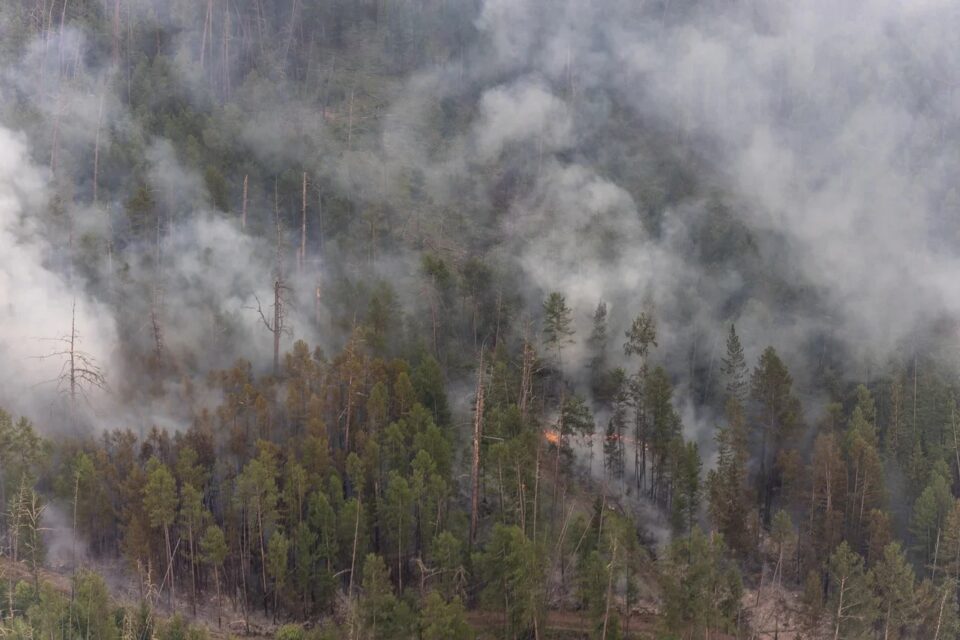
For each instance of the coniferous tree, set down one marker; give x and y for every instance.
(929, 516)
(641, 336)
(665, 429)
(727, 488)
(213, 545)
(891, 583)
(598, 343)
(734, 369)
(851, 604)
(557, 325)
(687, 490)
(777, 419)
(160, 502)
(701, 587)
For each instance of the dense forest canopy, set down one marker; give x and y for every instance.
(444, 318)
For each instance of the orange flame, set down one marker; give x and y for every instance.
(552, 436)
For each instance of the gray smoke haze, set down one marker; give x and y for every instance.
(829, 131)
(604, 141)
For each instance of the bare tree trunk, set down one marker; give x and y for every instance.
(208, 16)
(303, 224)
(350, 123)
(172, 594)
(556, 464)
(243, 214)
(836, 632)
(943, 601)
(606, 612)
(263, 556)
(225, 53)
(116, 32)
(193, 570)
(320, 221)
(936, 553)
(526, 379)
(96, 152)
(400, 548)
(277, 319)
(353, 554)
(54, 147)
(536, 488)
(475, 467)
(216, 578)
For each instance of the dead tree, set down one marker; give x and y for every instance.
(276, 326)
(26, 514)
(79, 372)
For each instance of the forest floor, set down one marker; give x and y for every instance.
(559, 625)
(776, 614)
(123, 590)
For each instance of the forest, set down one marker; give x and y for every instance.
(468, 319)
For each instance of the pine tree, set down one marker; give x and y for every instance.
(687, 490)
(381, 615)
(734, 368)
(278, 551)
(891, 583)
(598, 344)
(930, 513)
(641, 336)
(865, 468)
(665, 428)
(778, 419)
(442, 620)
(557, 325)
(727, 489)
(512, 571)
(213, 546)
(614, 434)
(701, 587)
(160, 503)
(851, 604)
(781, 532)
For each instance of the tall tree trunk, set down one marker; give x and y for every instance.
(606, 612)
(96, 151)
(193, 569)
(171, 595)
(836, 632)
(475, 467)
(243, 210)
(277, 324)
(263, 556)
(216, 578)
(303, 224)
(536, 488)
(353, 554)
